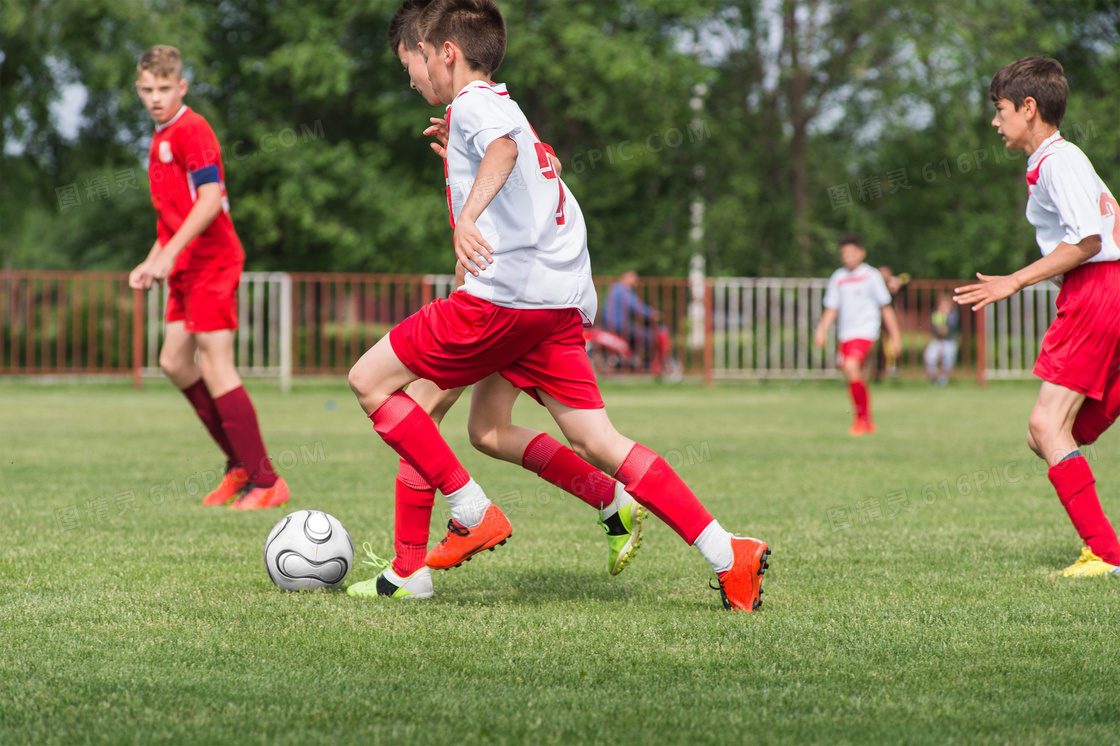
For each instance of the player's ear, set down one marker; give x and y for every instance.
(183, 86)
(1030, 107)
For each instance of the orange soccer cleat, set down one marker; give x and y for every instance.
(862, 427)
(741, 586)
(462, 543)
(233, 481)
(255, 498)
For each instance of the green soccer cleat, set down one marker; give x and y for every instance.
(416, 586)
(624, 530)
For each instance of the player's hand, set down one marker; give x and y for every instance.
(991, 288)
(138, 278)
(160, 267)
(438, 130)
(556, 167)
(896, 347)
(471, 248)
(820, 337)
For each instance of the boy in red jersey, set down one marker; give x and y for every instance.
(1076, 227)
(528, 292)
(199, 254)
(490, 428)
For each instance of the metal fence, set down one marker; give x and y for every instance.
(296, 324)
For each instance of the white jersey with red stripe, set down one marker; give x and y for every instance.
(533, 225)
(1068, 201)
(859, 295)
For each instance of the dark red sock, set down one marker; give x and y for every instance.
(860, 399)
(199, 397)
(414, 501)
(239, 420)
(655, 485)
(411, 433)
(556, 463)
(1077, 490)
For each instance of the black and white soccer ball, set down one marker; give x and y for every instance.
(308, 549)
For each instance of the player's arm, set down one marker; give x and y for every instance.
(438, 130)
(471, 248)
(207, 206)
(136, 277)
(1062, 259)
(827, 319)
(890, 320)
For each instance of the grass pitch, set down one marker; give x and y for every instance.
(910, 599)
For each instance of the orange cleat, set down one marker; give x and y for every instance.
(233, 481)
(255, 498)
(462, 543)
(862, 427)
(741, 586)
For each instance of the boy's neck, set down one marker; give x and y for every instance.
(464, 76)
(1039, 135)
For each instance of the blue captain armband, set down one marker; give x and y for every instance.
(205, 175)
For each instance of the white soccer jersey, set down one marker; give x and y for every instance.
(1068, 201)
(859, 295)
(533, 225)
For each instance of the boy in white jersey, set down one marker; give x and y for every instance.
(520, 235)
(490, 426)
(858, 295)
(1075, 222)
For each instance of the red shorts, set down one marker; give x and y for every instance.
(205, 299)
(855, 348)
(460, 340)
(1081, 349)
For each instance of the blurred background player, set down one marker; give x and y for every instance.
(858, 296)
(490, 427)
(199, 255)
(940, 356)
(1075, 220)
(527, 295)
(626, 315)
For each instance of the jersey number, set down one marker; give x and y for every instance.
(550, 173)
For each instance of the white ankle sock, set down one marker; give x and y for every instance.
(468, 504)
(714, 544)
(622, 498)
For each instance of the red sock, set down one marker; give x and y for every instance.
(558, 464)
(239, 420)
(199, 397)
(414, 501)
(860, 399)
(655, 485)
(1076, 488)
(411, 433)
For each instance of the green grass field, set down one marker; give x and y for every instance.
(911, 596)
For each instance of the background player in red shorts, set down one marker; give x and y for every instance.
(199, 255)
(1075, 221)
(490, 427)
(858, 295)
(529, 290)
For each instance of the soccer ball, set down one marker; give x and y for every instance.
(308, 549)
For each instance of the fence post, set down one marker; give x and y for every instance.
(709, 334)
(285, 332)
(981, 347)
(137, 337)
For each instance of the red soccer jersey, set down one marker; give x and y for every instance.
(185, 154)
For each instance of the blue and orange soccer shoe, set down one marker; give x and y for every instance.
(462, 543)
(255, 498)
(233, 482)
(741, 586)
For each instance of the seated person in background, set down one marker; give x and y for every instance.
(626, 315)
(945, 325)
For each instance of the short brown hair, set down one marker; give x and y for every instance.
(475, 26)
(161, 61)
(854, 239)
(404, 28)
(1041, 78)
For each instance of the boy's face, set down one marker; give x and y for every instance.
(417, 71)
(851, 256)
(162, 95)
(437, 61)
(1014, 125)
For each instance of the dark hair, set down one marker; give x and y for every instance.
(851, 238)
(404, 28)
(475, 26)
(1041, 78)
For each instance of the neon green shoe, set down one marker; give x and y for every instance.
(416, 586)
(624, 530)
(1089, 565)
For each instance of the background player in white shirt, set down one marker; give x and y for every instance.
(1074, 216)
(857, 295)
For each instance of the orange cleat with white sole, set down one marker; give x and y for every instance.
(233, 481)
(862, 427)
(256, 498)
(741, 586)
(462, 543)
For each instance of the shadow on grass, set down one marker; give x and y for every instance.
(528, 588)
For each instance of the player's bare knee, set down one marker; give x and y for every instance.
(1033, 444)
(358, 380)
(484, 438)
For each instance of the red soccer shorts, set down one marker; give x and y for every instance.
(462, 339)
(1081, 349)
(205, 299)
(855, 348)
